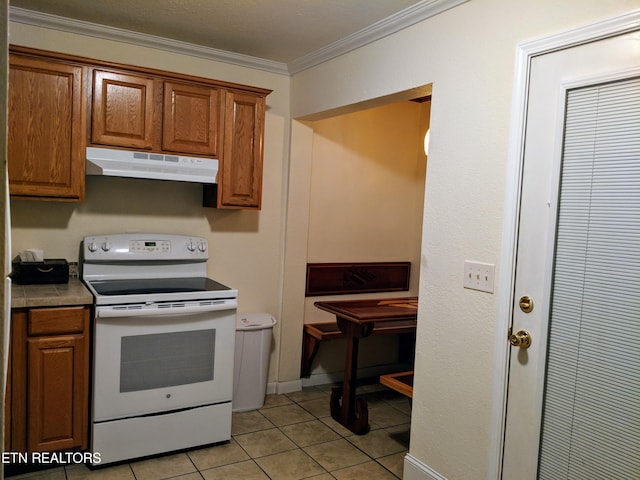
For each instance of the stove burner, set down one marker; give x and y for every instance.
(137, 286)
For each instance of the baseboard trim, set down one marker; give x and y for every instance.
(271, 388)
(414, 469)
(284, 387)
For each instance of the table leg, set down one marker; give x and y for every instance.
(351, 412)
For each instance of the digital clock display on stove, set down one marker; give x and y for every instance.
(150, 246)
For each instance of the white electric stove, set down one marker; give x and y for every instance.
(163, 345)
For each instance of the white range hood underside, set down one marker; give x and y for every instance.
(156, 166)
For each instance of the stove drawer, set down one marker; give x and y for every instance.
(56, 321)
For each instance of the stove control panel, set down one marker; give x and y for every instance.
(144, 246)
(150, 246)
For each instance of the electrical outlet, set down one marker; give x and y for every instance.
(479, 276)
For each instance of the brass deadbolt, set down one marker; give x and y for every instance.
(526, 304)
(520, 339)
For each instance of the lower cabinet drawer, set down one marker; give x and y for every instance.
(55, 321)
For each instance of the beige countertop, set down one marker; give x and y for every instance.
(50, 295)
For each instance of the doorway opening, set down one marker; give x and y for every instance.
(366, 177)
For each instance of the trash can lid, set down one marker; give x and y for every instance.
(254, 321)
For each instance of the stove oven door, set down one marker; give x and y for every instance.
(161, 358)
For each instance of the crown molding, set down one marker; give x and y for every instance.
(392, 24)
(80, 27)
(387, 26)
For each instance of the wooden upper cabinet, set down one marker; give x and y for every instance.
(192, 119)
(59, 104)
(124, 111)
(46, 154)
(240, 180)
(139, 112)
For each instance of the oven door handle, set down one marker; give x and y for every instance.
(157, 311)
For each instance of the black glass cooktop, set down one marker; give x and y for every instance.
(139, 286)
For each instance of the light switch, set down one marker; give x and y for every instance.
(479, 276)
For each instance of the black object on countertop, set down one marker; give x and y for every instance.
(51, 270)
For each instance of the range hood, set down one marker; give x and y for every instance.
(157, 166)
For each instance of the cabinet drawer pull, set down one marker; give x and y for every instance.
(45, 270)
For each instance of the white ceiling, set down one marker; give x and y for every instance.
(287, 35)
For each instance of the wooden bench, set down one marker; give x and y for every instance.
(315, 333)
(400, 382)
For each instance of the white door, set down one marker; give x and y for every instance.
(593, 364)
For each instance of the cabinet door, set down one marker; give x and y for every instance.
(240, 184)
(122, 113)
(46, 155)
(191, 119)
(57, 412)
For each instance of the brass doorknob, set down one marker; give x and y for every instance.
(520, 339)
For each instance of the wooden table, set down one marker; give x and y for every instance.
(355, 319)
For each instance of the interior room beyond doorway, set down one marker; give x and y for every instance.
(366, 195)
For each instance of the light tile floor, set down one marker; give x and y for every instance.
(291, 437)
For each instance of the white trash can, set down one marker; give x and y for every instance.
(251, 364)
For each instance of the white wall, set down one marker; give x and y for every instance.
(367, 186)
(468, 54)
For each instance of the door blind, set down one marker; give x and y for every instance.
(591, 418)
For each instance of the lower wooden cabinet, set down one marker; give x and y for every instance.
(49, 379)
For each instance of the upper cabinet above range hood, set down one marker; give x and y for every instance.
(157, 166)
